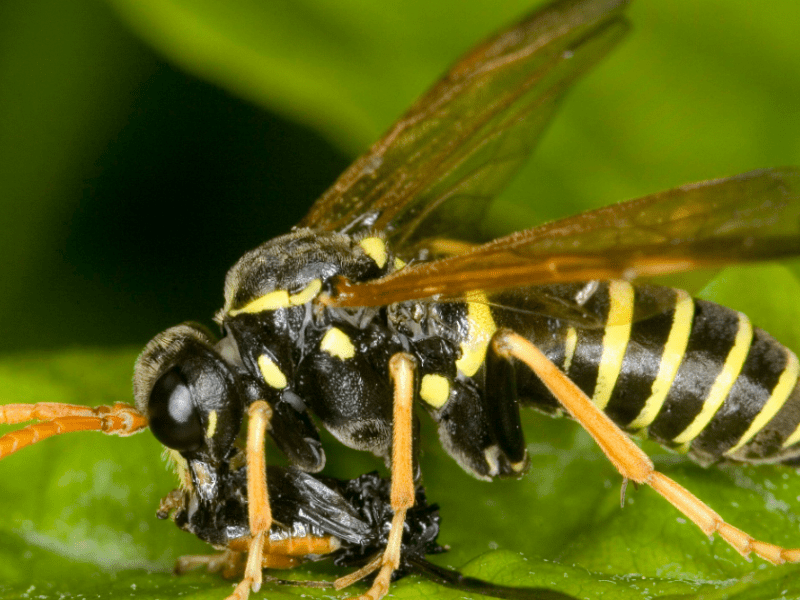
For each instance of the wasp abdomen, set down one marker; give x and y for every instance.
(692, 374)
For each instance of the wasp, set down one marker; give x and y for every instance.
(383, 302)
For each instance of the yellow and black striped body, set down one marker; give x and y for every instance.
(691, 374)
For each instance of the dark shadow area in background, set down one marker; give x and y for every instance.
(195, 178)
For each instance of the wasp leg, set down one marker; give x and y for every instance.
(627, 457)
(258, 509)
(401, 370)
(120, 419)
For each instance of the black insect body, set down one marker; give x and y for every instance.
(352, 516)
(347, 521)
(375, 303)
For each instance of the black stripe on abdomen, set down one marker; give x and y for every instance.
(766, 362)
(584, 365)
(642, 360)
(713, 336)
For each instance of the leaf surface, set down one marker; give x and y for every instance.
(78, 513)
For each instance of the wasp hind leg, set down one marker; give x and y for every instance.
(402, 372)
(632, 463)
(56, 418)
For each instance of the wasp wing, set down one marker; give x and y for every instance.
(436, 170)
(750, 217)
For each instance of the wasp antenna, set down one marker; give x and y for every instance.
(120, 419)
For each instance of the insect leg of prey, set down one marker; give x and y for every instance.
(401, 370)
(285, 553)
(228, 562)
(259, 513)
(120, 419)
(627, 457)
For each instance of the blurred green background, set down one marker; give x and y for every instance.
(146, 144)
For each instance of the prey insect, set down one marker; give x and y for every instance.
(318, 518)
(384, 299)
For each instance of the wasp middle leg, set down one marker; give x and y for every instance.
(626, 456)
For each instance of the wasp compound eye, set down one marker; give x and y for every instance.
(174, 418)
(189, 391)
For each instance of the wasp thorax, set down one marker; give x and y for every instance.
(292, 269)
(189, 392)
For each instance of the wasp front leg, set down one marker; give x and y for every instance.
(401, 371)
(259, 513)
(632, 463)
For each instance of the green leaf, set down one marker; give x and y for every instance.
(78, 513)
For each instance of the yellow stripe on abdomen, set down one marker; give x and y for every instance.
(570, 343)
(723, 383)
(780, 394)
(615, 340)
(671, 358)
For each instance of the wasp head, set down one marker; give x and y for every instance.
(190, 393)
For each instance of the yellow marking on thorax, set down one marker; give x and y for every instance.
(435, 390)
(399, 263)
(337, 343)
(375, 248)
(279, 299)
(271, 301)
(481, 329)
(723, 383)
(570, 343)
(212, 424)
(271, 372)
(671, 358)
(306, 295)
(780, 393)
(615, 340)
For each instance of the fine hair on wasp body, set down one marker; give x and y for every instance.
(382, 303)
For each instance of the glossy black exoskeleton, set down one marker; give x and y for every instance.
(357, 512)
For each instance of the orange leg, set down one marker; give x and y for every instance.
(120, 419)
(258, 508)
(401, 370)
(277, 554)
(627, 457)
(291, 546)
